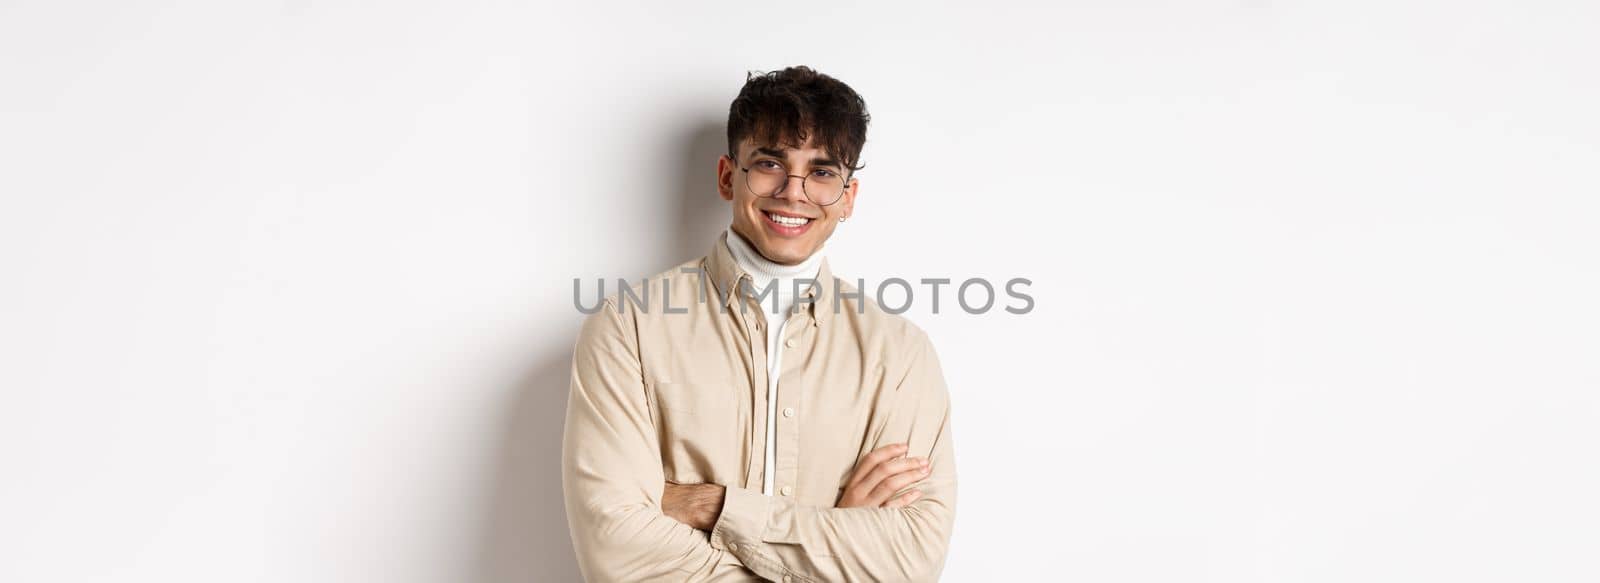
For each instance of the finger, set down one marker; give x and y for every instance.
(878, 456)
(903, 500)
(880, 491)
(890, 468)
(870, 481)
(872, 459)
(895, 483)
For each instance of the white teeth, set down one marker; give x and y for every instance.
(788, 221)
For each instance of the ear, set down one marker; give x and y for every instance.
(847, 205)
(725, 170)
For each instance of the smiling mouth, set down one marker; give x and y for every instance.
(787, 220)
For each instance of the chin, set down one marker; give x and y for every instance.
(785, 254)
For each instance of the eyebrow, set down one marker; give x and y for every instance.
(815, 162)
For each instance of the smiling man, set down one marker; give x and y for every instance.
(766, 421)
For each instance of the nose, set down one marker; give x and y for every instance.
(793, 188)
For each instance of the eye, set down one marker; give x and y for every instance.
(824, 173)
(768, 165)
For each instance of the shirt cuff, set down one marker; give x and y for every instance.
(743, 518)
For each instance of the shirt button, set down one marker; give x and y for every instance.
(786, 579)
(788, 411)
(787, 490)
(733, 547)
(790, 343)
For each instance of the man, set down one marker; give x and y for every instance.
(745, 415)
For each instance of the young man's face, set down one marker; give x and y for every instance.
(753, 216)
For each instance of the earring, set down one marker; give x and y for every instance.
(841, 219)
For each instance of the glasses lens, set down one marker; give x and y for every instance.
(765, 177)
(824, 187)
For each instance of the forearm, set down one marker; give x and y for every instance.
(638, 543)
(777, 537)
(618, 528)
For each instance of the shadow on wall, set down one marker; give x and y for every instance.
(525, 530)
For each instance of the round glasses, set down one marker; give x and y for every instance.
(767, 178)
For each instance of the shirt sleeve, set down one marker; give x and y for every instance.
(611, 474)
(785, 541)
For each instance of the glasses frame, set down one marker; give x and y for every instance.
(804, 180)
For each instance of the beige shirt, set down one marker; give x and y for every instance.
(673, 387)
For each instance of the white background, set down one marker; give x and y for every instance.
(287, 286)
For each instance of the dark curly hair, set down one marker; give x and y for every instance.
(785, 107)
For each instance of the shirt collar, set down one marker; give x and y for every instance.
(725, 274)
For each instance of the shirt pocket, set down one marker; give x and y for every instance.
(699, 398)
(698, 426)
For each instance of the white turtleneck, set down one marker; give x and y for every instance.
(764, 272)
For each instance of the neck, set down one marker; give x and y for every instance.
(763, 269)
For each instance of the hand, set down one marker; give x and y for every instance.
(880, 474)
(697, 505)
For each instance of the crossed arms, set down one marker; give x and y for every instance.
(616, 491)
